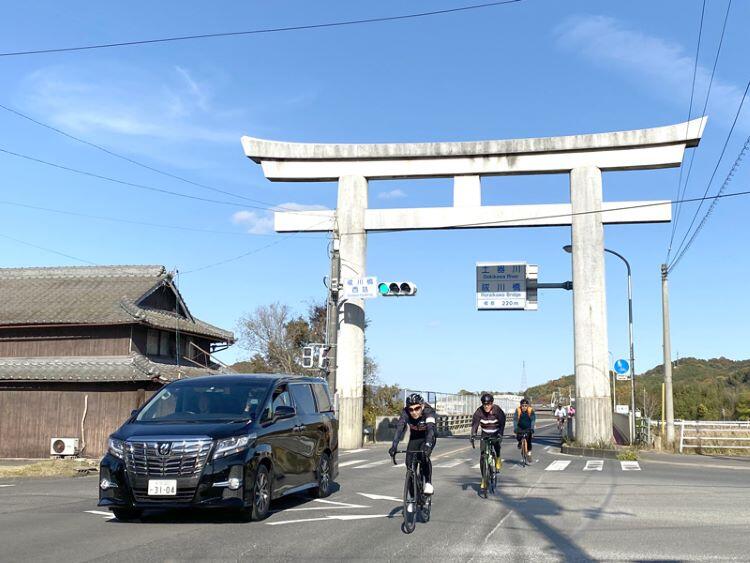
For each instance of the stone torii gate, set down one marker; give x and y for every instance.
(583, 157)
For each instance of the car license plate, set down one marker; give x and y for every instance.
(162, 487)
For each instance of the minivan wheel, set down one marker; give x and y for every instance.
(126, 514)
(261, 499)
(323, 473)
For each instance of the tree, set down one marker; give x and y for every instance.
(742, 410)
(380, 400)
(276, 338)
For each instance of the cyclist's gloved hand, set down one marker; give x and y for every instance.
(392, 451)
(427, 449)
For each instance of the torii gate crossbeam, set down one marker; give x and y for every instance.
(583, 157)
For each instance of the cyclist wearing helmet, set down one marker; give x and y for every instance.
(420, 417)
(523, 423)
(491, 419)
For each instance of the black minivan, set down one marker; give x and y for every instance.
(223, 441)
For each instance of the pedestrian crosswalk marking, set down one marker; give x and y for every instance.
(372, 464)
(630, 466)
(594, 465)
(342, 452)
(557, 465)
(351, 462)
(451, 463)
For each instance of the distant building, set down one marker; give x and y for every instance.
(81, 347)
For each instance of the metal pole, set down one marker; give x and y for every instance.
(668, 404)
(630, 340)
(332, 322)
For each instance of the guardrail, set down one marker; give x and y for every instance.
(714, 435)
(447, 425)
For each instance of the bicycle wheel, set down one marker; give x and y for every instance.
(525, 451)
(485, 476)
(492, 474)
(410, 503)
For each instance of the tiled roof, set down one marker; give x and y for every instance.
(133, 367)
(92, 295)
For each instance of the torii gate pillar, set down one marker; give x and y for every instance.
(350, 353)
(589, 307)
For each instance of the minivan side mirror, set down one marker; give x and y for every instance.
(134, 412)
(284, 411)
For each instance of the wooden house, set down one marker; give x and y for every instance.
(81, 347)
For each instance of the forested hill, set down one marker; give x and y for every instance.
(712, 389)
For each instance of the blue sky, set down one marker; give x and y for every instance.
(535, 68)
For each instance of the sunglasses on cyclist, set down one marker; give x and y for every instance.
(415, 408)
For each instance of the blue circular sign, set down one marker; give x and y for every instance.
(622, 366)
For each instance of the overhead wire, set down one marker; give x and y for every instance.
(260, 31)
(136, 162)
(687, 125)
(703, 112)
(47, 249)
(713, 174)
(710, 209)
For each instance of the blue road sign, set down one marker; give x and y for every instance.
(622, 366)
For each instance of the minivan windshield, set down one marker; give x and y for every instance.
(238, 401)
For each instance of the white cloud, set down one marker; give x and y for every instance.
(174, 107)
(261, 222)
(663, 67)
(393, 194)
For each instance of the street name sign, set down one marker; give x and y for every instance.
(503, 286)
(360, 288)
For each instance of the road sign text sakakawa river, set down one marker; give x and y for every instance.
(501, 285)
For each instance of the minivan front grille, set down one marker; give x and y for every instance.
(166, 458)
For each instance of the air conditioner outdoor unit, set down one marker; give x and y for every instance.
(63, 446)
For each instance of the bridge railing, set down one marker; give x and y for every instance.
(714, 435)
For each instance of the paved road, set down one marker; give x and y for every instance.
(560, 508)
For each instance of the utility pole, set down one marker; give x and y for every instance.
(668, 404)
(332, 314)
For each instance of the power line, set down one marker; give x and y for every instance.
(260, 31)
(132, 221)
(135, 185)
(700, 226)
(135, 162)
(703, 112)
(713, 174)
(31, 244)
(687, 125)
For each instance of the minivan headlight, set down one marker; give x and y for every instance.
(116, 448)
(228, 446)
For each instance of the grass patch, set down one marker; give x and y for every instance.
(50, 468)
(628, 455)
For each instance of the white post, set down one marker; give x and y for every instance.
(594, 418)
(350, 216)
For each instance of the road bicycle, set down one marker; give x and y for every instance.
(525, 446)
(560, 424)
(416, 503)
(487, 462)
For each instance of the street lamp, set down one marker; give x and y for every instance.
(569, 249)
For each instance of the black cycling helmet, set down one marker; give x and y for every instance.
(414, 399)
(487, 399)
(524, 401)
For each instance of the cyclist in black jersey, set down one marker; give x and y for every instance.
(420, 417)
(490, 418)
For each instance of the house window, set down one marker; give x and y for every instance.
(152, 342)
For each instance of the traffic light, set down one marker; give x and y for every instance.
(397, 289)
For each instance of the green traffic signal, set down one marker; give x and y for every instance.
(383, 288)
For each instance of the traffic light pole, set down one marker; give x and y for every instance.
(332, 315)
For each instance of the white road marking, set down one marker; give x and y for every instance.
(630, 466)
(337, 517)
(380, 497)
(330, 505)
(344, 452)
(451, 463)
(372, 464)
(475, 466)
(399, 465)
(107, 515)
(7, 486)
(594, 465)
(546, 448)
(351, 462)
(557, 465)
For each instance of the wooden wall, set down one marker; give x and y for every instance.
(65, 341)
(31, 414)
